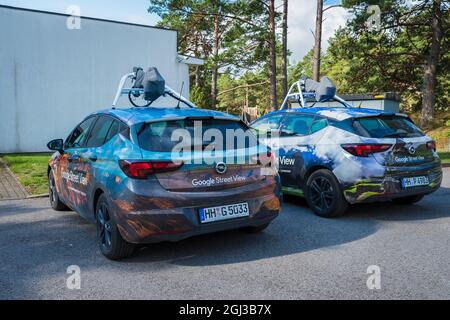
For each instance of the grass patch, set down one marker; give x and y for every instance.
(30, 169)
(445, 157)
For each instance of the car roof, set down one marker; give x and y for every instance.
(136, 115)
(337, 113)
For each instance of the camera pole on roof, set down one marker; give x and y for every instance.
(146, 88)
(305, 89)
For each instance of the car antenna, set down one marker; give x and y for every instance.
(181, 93)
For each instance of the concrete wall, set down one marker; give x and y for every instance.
(52, 77)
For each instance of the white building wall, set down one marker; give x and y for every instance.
(52, 77)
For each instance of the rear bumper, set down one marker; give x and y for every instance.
(154, 214)
(389, 186)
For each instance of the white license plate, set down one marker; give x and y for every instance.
(230, 211)
(415, 182)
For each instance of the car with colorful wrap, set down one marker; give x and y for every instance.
(118, 169)
(336, 156)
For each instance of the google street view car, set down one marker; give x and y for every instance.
(335, 156)
(148, 174)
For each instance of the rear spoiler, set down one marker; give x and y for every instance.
(206, 117)
(381, 114)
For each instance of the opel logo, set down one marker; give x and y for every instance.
(221, 167)
(412, 150)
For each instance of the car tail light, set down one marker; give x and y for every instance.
(142, 169)
(431, 145)
(364, 150)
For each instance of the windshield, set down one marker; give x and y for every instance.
(386, 127)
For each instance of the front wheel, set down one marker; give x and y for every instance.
(324, 195)
(53, 196)
(109, 239)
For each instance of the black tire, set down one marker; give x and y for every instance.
(408, 200)
(110, 241)
(256, 229)
(53, 196)
(324, 194)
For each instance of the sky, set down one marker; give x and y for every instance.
(301, 17)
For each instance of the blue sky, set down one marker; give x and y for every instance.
(301, 16)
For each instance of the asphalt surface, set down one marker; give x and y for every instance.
(300, 256)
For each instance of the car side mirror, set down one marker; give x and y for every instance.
(56, 145)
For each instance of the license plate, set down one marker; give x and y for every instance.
(230, 211)
(415, 182)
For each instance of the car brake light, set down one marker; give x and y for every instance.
(431, 145)
(364, 150)
(142, 169)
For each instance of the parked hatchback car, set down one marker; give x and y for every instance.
(117, 170)
(336, 156)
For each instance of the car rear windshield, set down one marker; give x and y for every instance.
(163, 136)
(386, 127)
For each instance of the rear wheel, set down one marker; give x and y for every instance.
(324, 195)
(55, 202)
(109, 239)
(408, 200)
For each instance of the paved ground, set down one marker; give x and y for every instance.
(10, 188)
(298, 256)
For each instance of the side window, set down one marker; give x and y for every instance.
(78, 136)
(267, 124)
(124, 130)
(99, 132)
(297, 125)
(318, 124)
(113, 130)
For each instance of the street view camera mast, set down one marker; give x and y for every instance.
(306, 90)
(146, 87)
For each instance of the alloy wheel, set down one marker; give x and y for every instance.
(52, 190)
(104, 226)
(322, 193)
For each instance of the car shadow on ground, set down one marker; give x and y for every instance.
(13, 209)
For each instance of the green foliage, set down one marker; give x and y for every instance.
(358, 59)
(242, 37)
(362, 60)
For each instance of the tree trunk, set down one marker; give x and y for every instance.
(317, 41)
(284, 57)
(214, 68)
(197, 80)
(272, 56)
(430, 69)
